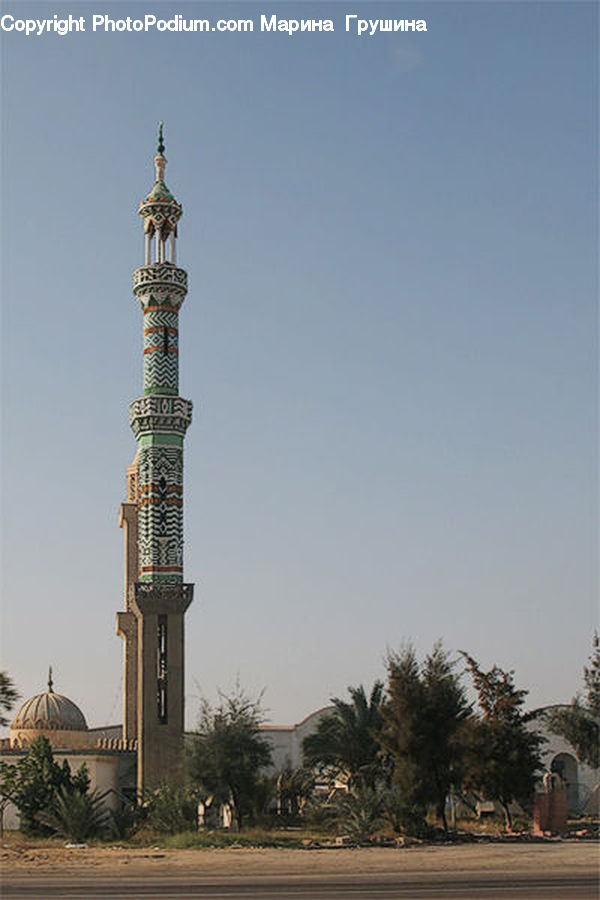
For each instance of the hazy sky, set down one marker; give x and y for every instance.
(389, 339)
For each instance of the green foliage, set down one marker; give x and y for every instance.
(320, 814)
(424, 718)
(503, 755)
(34, 782)
(347, 740)
(403, 816)
(250, 837)
(263, 796)
(124, 821)
(581, 730)
(171, 808)
(229, 753)
(8, 697)
(360, 813)
(580, 723)
(80, 781)
(76, 815)
(294, 789)
(591, 678)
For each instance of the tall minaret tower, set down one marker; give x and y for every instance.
(156, 598)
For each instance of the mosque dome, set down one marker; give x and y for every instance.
(48, 714)
(50, 711)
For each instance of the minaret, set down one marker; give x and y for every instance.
(156, 598)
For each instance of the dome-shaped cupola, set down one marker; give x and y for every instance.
(52, 715)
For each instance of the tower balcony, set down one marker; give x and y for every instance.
(170, 415)
(161, 284)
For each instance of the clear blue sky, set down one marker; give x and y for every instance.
(390, 341)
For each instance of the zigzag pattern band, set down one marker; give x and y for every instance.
(160, 371)
(160, 513)
(161, 347)
(160, 318)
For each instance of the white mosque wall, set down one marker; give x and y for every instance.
(106, 771)
(286, 740)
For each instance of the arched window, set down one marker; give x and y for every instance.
(565, 765)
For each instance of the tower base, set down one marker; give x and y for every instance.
(159, 610)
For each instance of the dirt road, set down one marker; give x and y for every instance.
(498, 858)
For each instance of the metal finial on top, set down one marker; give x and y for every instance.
(159, 160)
(50, 682)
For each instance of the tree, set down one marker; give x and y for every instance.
(424, 717)
(8, 697)
(504, 754)
(580, 722)
(229, 752)
(34, 782)
(347, 740)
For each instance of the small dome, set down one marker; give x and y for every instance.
(49, 712)
(160, 193)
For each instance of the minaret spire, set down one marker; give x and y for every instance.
(160, 213)
(156, 596)
(160, 161)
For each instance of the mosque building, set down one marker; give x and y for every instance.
(147, 748)
(126, 760)
(110, 761)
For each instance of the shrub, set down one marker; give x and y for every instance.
(360, 813)
(35, 781)
(171, 809)
(320, 814)
(124, 821)
(75, 815)
(403, 816)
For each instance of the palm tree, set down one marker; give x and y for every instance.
(76, 815)
(361, 813)
(346, 740)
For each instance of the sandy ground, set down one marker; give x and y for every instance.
(576, 857)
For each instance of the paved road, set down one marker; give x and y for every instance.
(459, 886)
